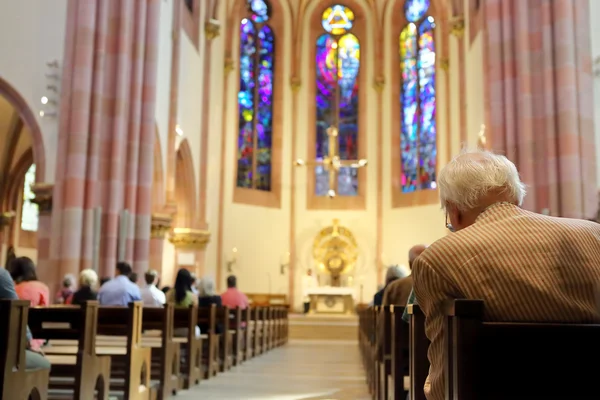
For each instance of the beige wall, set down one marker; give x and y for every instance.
(32, 34)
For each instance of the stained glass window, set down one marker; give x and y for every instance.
(29, 212)
(337, 69)
(417, 99)
(255, 98)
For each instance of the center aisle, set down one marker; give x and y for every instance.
(301, 370)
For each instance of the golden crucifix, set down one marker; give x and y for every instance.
(332, 162)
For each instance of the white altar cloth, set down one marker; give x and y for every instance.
(332, 290)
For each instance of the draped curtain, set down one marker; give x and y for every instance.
(540, 100)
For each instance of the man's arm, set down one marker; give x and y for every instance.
(7, 292)
(431, 291)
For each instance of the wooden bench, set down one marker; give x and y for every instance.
(85, 374)
(210, 340)
(419, 344)
(518, 361)
(247, 335)
(265, 300)
(238, 335)
(398, 389)
(384, 351)
(17, 382)
(166, 353)
(191, 347)
(225, 345)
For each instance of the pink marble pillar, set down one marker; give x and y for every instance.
(106, 139)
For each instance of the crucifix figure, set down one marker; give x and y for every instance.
(332, 162)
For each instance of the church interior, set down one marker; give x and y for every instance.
(292, 144)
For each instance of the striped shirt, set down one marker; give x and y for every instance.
(527, 267)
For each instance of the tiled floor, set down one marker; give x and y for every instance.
(301, 370)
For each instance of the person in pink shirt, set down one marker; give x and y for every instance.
(232, 297)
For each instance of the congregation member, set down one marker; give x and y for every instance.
(67, 290)
(151, 295)
(103, 280)
(88, 280)
(309, 281)
(526, 267)
(207, 297)
(181, 294)
(34, 359)
(392, 274)
(28, 287)
(398, 291)
(133, 277)
(233, 297)
(119, 291)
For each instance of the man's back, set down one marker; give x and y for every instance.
(233, 298)
(397, 292)
(119, 291)
(525, 266)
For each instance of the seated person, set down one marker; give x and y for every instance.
(33, 357)
(67, 290)
(88, 280)
(27, 286)
(503, 255)
(232, 297)
(151, 295)
(182, 296)
(207, 298)
(393, 273)
(119, 291)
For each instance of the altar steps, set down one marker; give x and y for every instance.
(323, 327)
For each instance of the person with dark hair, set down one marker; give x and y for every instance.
(151, 295)
(33, 357)
(133, 277)
(27, 286)
(165, 289)
(182, 294)
(119, 291)
(232, 297)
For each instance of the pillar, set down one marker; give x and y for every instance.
(161, 225)
(43, 198)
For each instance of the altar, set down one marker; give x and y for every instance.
(331, 300)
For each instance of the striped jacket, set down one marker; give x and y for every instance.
(525, 266)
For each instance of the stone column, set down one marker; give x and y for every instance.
(161, 225)
(43, 198)
(6, 219)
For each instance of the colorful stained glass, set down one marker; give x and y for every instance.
(260, 11)
(337, 70)
(415, 9)
(337, 19)
(255, 100)
(417, 99)
(30, 212)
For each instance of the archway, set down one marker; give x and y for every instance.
(22, 163)
(185, 188)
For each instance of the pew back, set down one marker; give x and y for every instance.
(493, 361)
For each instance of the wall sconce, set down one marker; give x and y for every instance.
(45, 114)
(285, 262)
(232, 259)
(178, 130)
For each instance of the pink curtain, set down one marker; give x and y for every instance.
(106, 140)
(540, 100)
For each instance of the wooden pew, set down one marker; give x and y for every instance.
(208, 316)
(384, 351)
(191, 347)
(400, 354)
(518, 361)
(419, 344)
(238, 335)
(90, 373)
(18, 383)
(166, 352)
(225, 346)
(247, 334)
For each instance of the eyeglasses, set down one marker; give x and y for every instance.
(448, 224)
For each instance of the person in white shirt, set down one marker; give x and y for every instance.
(151, 295)
(309, 281)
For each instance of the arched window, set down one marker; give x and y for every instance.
(255, 98)
(29, 212)
(417, 99)
(337, 70)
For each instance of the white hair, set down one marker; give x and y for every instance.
(394, 272)
(473, 174)
(88, 277)
(207, 287)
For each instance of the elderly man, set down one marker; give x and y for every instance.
(393, 273)
(504, 255)
(397, 292)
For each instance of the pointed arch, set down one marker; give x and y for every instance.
(185, 188)
(18, 102)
